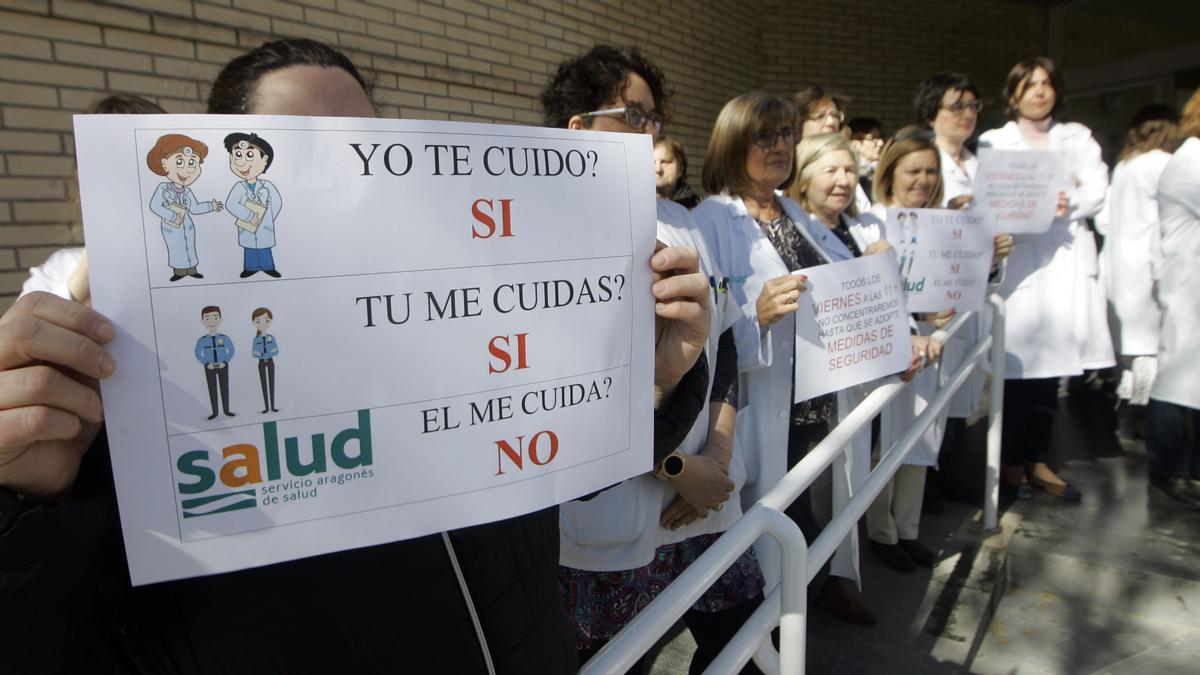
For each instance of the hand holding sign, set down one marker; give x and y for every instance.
(681, 306)
(469, 321)
(51, 353)
(779, 297)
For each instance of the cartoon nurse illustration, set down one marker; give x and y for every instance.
(253, 201)
(265, 349)
(179, 159)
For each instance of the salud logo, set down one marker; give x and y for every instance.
(230, 481)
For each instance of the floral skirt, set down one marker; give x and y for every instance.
(599, 604)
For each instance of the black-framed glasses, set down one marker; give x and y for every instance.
(821, 115)
(959, 107)
(633, 114)
(766, 140)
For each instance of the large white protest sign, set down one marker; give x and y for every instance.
(1018, 188)
(853, 328)
(338, 333)
(945, 257)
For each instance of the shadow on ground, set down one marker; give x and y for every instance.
(1110, 585)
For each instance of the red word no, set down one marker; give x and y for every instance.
(517, 455)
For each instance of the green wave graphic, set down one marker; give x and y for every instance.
(193, 502)
(245, 500)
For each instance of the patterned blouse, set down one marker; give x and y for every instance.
(798, 253)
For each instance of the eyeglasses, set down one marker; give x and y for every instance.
(634, 115)
(766, 140)
(959, 107)
(821, 115)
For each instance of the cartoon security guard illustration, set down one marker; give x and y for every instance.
(214, 351)
(253, 201)
(265, 349)
(179, 159)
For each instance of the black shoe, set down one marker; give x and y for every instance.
(895, 557)
(176, 277)
(843, 605)
(264, 412)
(274, 409)
(1181, 490)
(229, 414)
(918, 552)
(272, 273)
(212, 416)
(196, 275)
(248, 273)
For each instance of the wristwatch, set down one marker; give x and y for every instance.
(670, 467)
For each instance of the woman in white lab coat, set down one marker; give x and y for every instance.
(1129, 223)
(621, 547)
(758, 238)
(1056, 319)
(950, 103)
(908, 177)
(1175, 399)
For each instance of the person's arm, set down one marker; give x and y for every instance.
(196, 207)
(276, 200)
(235, 205)
(158, 205)
(1091, 180)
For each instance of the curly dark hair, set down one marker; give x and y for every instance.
(929, 95)
(587, 82)
(234, 86)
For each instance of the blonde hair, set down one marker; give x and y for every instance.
(1189, 124)
(739, 123)
(808, 151)
(910, 139)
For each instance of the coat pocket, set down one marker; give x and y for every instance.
(614, 516)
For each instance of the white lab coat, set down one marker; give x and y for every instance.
(619, 528)
(180, 239)
(957, 180)
(898, 417)
(52, 276)
(1056, 314)
(1129, 223)
(1178, 272)
(264, 192)
(744, 253)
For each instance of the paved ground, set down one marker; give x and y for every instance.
(1111, 585)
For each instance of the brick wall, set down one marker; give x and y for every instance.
(469, 60)
(877, 52)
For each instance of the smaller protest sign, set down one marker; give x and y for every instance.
(945, 257)
(855, 327)
(1018, 188)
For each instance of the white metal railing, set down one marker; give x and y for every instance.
(785, 605)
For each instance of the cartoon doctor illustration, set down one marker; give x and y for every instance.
(179, 159)
(253, 201)
(265, 349)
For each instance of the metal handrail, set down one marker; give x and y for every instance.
(785, 604)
